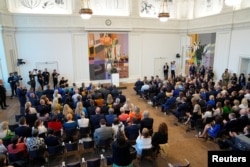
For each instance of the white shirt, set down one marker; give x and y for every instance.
(83, 122)
(116, 128)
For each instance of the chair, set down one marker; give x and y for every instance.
(13, 127)
(178, 165)
(94, 162)
(30, 119)
(103, 144)
(58, 133)
(17, 117)
(71, 147)
(133, 153)
(17, 159)
(84, 132)
(109, 160)
(147, 153)
(74, 164)
(164, 150)
(55, 152)
(71, 134)
(37, 155)
(88, 144)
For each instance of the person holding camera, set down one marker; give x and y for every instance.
(40, 78)
(55, 75)
(32, 81)
(63, 82)
(46, 75)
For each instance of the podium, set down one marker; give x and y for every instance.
(115, 79)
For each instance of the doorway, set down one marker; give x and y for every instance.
(244, 65)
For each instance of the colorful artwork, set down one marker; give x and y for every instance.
(108, 53)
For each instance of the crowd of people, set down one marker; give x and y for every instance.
(215, 110)
(49, 114)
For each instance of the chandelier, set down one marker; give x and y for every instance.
(85, 11)
(232, 2)
(163, 14)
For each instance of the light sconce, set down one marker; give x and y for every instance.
(85, 11)
(232, 2)
(163, 14)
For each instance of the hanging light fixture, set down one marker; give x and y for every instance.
(163, 14)
(232, 2)
(85, 11)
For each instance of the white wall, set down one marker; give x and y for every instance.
(158, 45)
(45, 47)
(239, 48)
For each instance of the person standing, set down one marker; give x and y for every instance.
(55, 78)
(165, 70)
(46, 75)
(202, 71)
(192, 70)
(40, 78)
(32, 80)
(2, 95)
(12, 82)
(173, 67)
(225, 77)
(21, 93)
(210, 74)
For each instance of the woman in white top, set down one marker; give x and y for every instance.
(83, 122)
(56, 94)
(39, 126)
(244, 104)
(208, 113)
(29, 109)
(143, 141)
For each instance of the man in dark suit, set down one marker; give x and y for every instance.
(147, 122)
(23, 130)
(95, 119)
(121, 97)
(242, 121)
(132, 131)
(103, 132)
(138, 85)
(230, 125)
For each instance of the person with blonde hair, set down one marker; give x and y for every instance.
(109, 101)
(80, 109)
(56, 107)
(135, 113)
(244, 103)
(143, 141)
(29, 109)
(4, 129)
(67, 110)
(128, 106)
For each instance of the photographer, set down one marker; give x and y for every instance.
(32, 81)
(173, 67)
(63, 82)
(55, 78)
(40, 78)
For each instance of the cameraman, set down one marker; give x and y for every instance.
(21, 93)
(63, 82)
(55, 78)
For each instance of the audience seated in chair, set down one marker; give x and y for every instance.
(147, 122)
(117, 126)
(132, 131)
(110, 117)
(35, 143)
(160, 137)
(103, 132)
(143, 141)
(23, 130)
(95, 119)
(211, 129)
(17, 146)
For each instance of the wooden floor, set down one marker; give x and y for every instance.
(182, 144)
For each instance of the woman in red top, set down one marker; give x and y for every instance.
(55, 124)
(17, 146)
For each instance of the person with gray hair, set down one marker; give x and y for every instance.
(147, 122)
(110, 117)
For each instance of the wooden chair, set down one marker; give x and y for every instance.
(164, 150)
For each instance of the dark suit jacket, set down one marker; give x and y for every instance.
(147, 123)
(230, 126)
(95, 120)
(23, 131)
(132, 131)
(242, 122)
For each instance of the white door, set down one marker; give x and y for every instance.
(158, 66)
